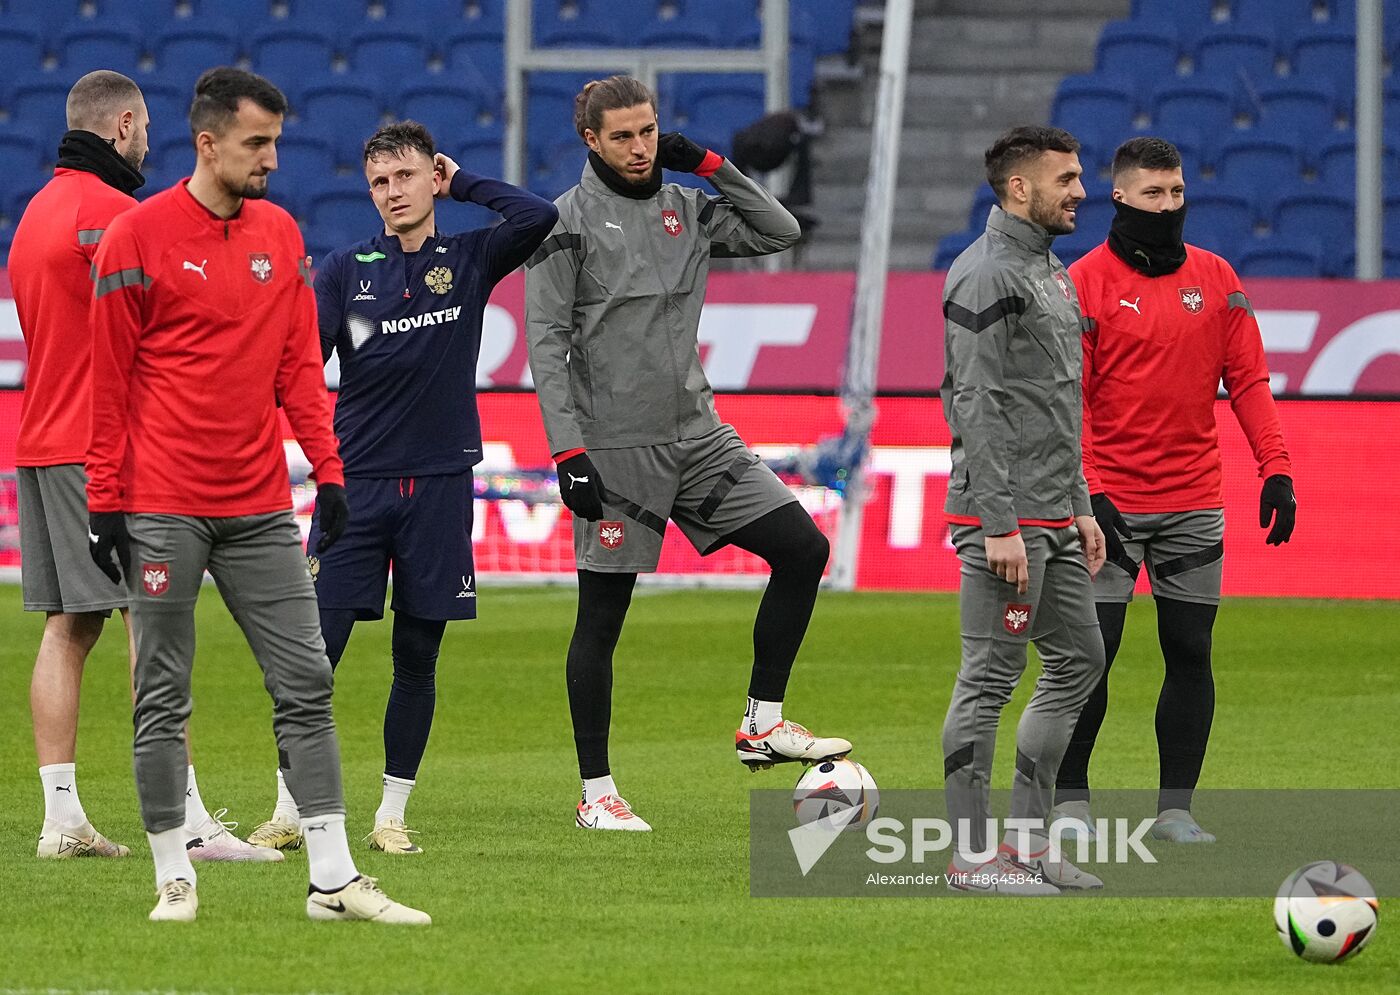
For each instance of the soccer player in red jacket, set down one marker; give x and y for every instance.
(1167, 324)
(203, 324)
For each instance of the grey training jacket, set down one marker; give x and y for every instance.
(612, 306)
(1012, 391)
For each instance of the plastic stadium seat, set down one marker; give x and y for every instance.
(1336, 162)
(288, 53)
(53, 13)
(172, 155)
(485, 158)
(1235, 49)
(1328, 216)
(457, 116)
(1070, 248)
(478, 19)
(832, 21)
(186, 48)
(1280, 256)
(1261, 156)
(952, 246)
(168, 105)
(344, 114)
(1221, 241)
(1220, 210)
(393, 54)
(155, 13)
(304, 163)
(591, 23)
(110, 45)
(549, 113)
(1200, 104)
(39, 108)
(1190, 17)
(1392, 223)
(343, 202)
(1307, 105)
(21, 46)
(1138, 49)
(556, 167)
(982, 203)
(1329, 51)
(21, 159)
(710, 107)
(470, 52)
(1286, 16)
(331, 14)
(1101, 104)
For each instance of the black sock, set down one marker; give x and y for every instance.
(603, 599)
(408, 718)
(1187, 703)
(796, 552)
(1072, 780)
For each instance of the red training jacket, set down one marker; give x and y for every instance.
(200, 326)
(1156, 350)
(50, 266)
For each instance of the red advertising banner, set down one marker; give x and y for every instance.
(788, 331)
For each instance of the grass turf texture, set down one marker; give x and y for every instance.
(524, 901)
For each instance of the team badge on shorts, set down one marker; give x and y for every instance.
(1016, 619)
(1192, 299)
(611, 534)
(155, 578)
(671, 223)
(313, 566)
(261, 265)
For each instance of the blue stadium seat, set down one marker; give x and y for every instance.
(470, 52)
(832, 21)
(344, 113)
(457, 116)
(286, 53)
(479, 19)
(1222, 211)
(1307, 105)
(171, 155)
(394, 54)
(1287, 17)
(1070, 248)
(591, 23)
(304, 163)
(1328, 216)
(982, 203)
(1390, 264)
(1094, 104)
(710, 107)
(111, 45)
(556, 167)
(39, 108)
(1235, 49)
(1262, 156)
(1221, 241)
(21, 160)
(152, 13)
(549, 113)
(1278, 255)
(1204, 105)
(343, 202)
(1336, 162)
(22, 45)
(1189, 16)
(322, 240)
(1392, 223)
(186, 48)
(169, 106)
(483, 157)
(1328, 51)
(952, 246)
(331, 15)
(706, 24)
(53, 13)
(1138, 49)
(1095, 214)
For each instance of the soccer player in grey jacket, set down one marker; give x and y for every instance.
(613, 301)
(1018, 510)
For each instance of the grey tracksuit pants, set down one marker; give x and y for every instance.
(260, 568)
(1057, 613)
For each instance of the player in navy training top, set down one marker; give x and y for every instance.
(403, 310)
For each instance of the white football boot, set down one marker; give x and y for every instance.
(1061, 873)
(77, 841)
(999, 876)
(610, 812)
(786, 742)
(277, 833)
(215, 841)
(1079, 823)
(175, 902)
(1178, 825)
(391, 836)
(362, 898)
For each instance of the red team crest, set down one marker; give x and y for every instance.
(1192, 299)
(1016, 619)
(611, 534)
(1064, 287)
(671, 223)
(261, 265)
(155, 578)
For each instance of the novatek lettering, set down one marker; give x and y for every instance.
(396, 325)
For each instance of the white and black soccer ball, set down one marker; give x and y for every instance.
(832, 787)
(1326, 912)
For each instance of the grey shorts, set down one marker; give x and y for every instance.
(56, 570)
(708, 486)
(1184, 552)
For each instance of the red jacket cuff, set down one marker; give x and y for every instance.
(708, 165)
(567, 454)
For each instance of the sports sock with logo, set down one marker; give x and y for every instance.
(408, 717)
(286, 805)
(328, 852)
(61, 805)
(603, 599)
(396, 792)
(1187, 702)
(760, 716)
(172, 859)
(598, 787)
(196, 815)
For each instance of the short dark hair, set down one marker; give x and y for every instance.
(613, 93)
(97, 97)
(399, 137)
(219, 92)
(1145, 153)
(1021, 145)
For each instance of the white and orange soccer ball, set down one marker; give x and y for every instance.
(831, 788)
(1326, 912)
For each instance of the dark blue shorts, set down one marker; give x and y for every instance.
(422, 526)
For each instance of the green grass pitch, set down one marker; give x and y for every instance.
(523, 901)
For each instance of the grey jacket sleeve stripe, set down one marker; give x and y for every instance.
(549, 333)
(122, 278)
(747, 220)
(1239, 300)
(551, 245)
(977, 321)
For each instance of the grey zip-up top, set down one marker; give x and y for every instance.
(612, 306)
(1012, 391)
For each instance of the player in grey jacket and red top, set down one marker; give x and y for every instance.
(613, 302)
(1018, 509)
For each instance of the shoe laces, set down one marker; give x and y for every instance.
(616, 806)
(217, 818)
(798, 730)
(176, 892)
(394, 829)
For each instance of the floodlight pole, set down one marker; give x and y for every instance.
(1369, 202)
(867, 312)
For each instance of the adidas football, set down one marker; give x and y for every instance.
(1326, 912)
(832, 787)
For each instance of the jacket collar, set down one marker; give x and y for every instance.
(594, 184)
(391, 245)
(199, 212)
(1027, 233)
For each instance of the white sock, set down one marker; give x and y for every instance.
(396, 792)
(196, 815)
(172, 859)
(286, 804)
(61, 805)
(328, 852)
(760, 716)
(598, 787)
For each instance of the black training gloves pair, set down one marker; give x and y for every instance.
(107, 534)
(580, 487)
(1276, 503)
(677, 153)
(1112, 525)
(332, 514)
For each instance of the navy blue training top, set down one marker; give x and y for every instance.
(407, 327)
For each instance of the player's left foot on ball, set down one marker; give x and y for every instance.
(362, 898)
(786, 742)
(1061, 873)
(391, 836)
(1178, 825)
(215, 841)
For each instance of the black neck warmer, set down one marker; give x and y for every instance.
(1148, 241)
(85, 151)
(615, 183)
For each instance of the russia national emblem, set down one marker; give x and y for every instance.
(439, 279)
(155, 578)
(1016, 619)
(671, 223)
(261, 265)
(610, 534)
(1192, 299)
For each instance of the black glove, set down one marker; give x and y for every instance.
(580, 487)
(1112, 525)
(676, 152)
(107, 532)
(1276, 502)
(332, 514)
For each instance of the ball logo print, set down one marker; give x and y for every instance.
(155, 578)
(611, 534)
(671, 223)
(1016, 619)
(1192, 299)
(261, 265)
